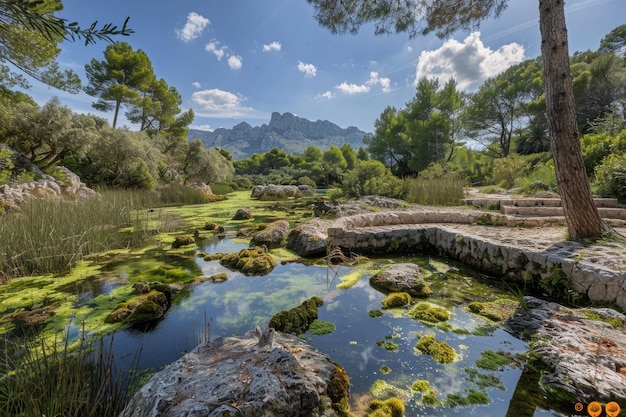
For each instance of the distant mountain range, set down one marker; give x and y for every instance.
(285, 131)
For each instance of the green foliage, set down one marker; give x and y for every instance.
(498, 310)
(6, 165)
(596, 147)
(439, 350)
(371, 178)
(178, 194)
(389, 345)
(429, 314)
(610, 177)
(441, 191)
(542, 177)
(375, 313)
(54, 379)
(507, 170)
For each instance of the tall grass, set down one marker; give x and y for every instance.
(441, 191)
(52, 235)
(40, 379)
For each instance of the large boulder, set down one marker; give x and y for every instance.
(257, 374)
(276, 192)
(583, 349)
(252, 261)
(273, 236)
(309, 239)
(404, 277)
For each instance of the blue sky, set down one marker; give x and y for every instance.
(241, 60)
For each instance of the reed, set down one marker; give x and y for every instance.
(41, 379)
(440, 191)
(52, 235)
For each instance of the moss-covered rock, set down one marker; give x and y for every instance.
(392, 407)
(182, 240)
(429, 314)
(319, 327)
(396, 299)
(375, 313)
(439, 350)
(252, 261)
(141, 308)
(243, 214)
(217, 278)
(498, 310)
(382, 390)
(297, 320)
(274, 235)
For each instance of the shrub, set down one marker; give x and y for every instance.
(178, 194)
(541, 173)
(506, 170)
(372, 178)
(610, 177)
(221, 189)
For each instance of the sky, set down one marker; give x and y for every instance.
(237, 61)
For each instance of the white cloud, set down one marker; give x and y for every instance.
(346, 88)
(327, 95)
(196, 84)
(205, 128)
(470, 62)
(193, 28)
(274, 46)
(219, 103)
(214, 48)
(309, 70)
(235, 62)
(384, 82)
(409, 48)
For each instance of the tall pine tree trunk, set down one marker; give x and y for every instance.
(581, 214)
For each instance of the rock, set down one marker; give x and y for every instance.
(252, 261)
(583, 349)
(243, 214)
(238, 376)
(309, 239)
(401, 278)
(273, 236)
(276, 192)
(142, 308)
(297, 320)
(182, 240)
(64, 184)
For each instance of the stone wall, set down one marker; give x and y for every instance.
(560, 267)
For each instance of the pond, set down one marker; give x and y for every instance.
(241, 303)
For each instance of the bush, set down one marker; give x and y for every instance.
(221, 189)
(542, 173)
(610, 177)
(506, 170)
(178, 194)
(372, 178)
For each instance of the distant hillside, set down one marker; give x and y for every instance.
(286, 131)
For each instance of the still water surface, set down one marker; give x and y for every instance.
(241, 303)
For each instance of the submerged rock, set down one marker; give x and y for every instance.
(583, 349)
(239, 376)
(401, 278)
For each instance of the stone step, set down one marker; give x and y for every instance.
(605, 212)
(496, 203)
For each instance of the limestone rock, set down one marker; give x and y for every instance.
(243, 214)
(235, 376)
(309, 239)
(401, 278)
(585, 349)
(276, 192)
(273, 236)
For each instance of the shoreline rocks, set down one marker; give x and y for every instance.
(259, 373)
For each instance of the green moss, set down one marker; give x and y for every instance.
(429, 314)
(297, 320)
(421, 385)
(388, 345)
(431, 399)
(385, 370)
(381, 390)
(319, 327)
(252, 261)
(615, 322)
(338, 391)
(396, 299)
(218, 277)
(182, 240)
(498, 310)
(375, 313)
(472, 397)
(494, 361)
(141, 308)
(392, 407)
(439, 350)
(483, 380)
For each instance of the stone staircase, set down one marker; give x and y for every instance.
(532, 207)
